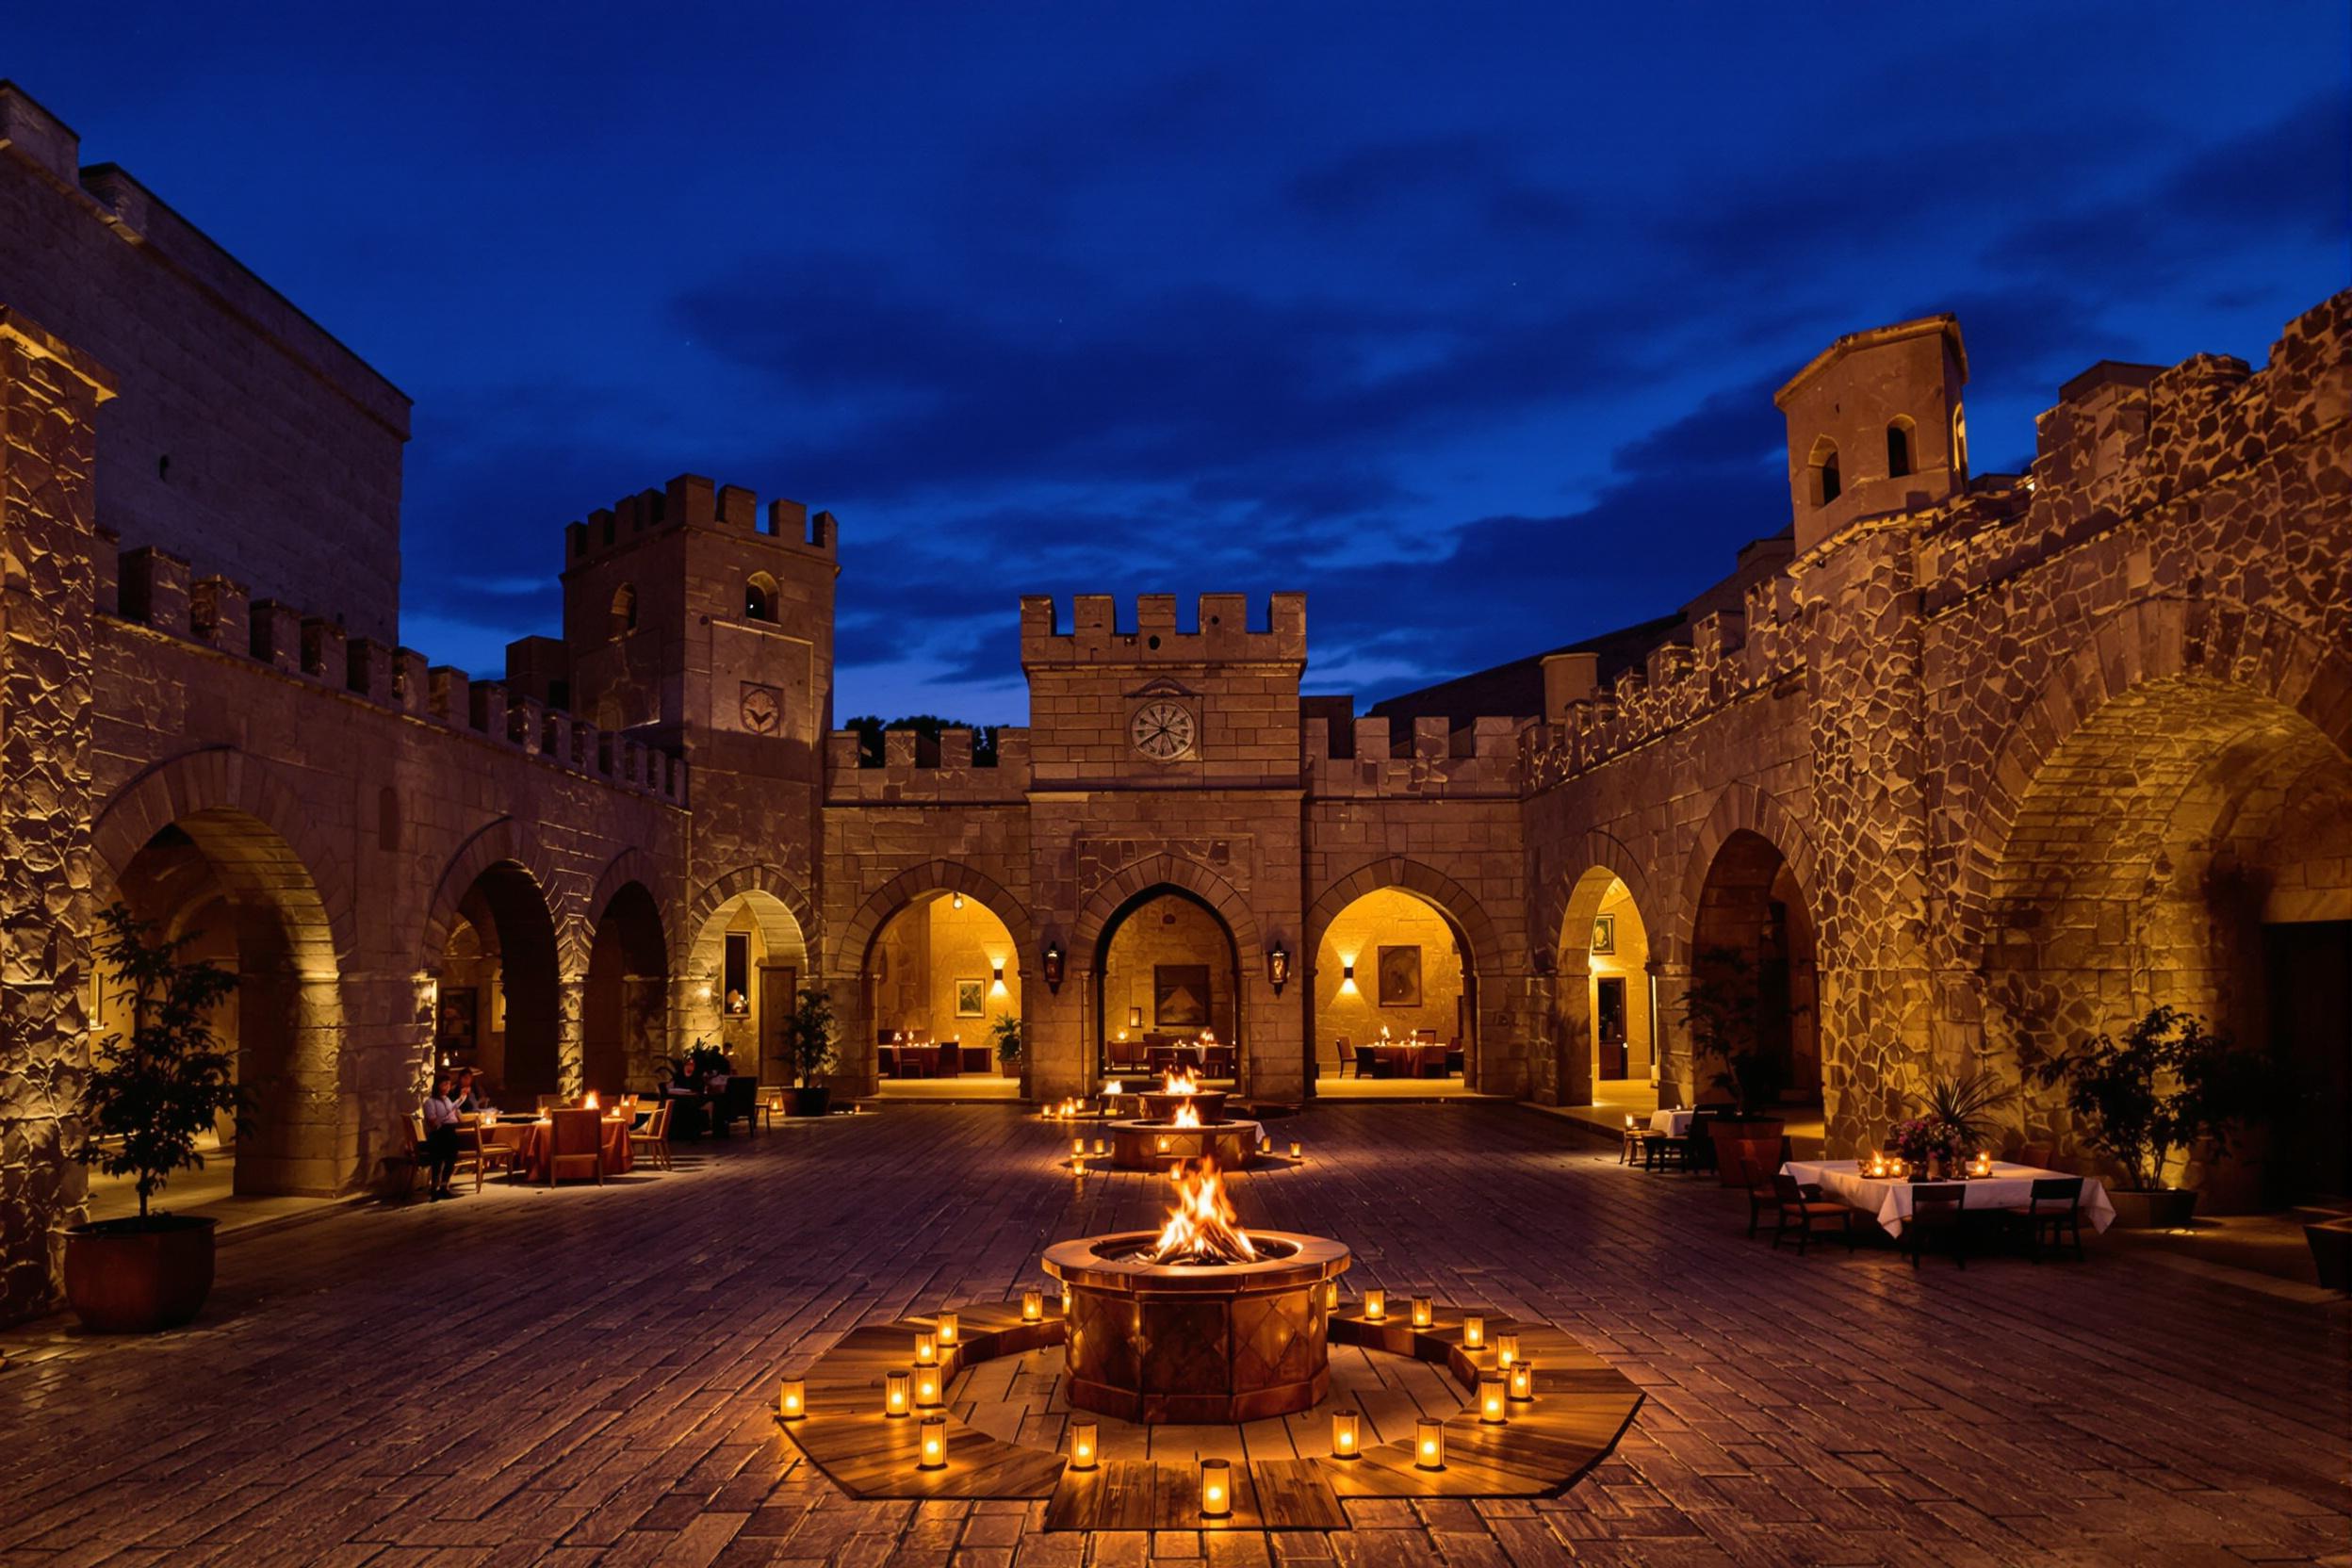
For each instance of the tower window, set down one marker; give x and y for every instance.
(1899, 449)
(1959, 442)
(624, 610)
(1826, 483)
(759, 597)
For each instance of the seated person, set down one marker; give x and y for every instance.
(440, 1152)
(473, 1092)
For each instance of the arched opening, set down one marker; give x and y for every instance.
(744, 978)
(624, 610)
(1168, 987)
(759, 597)
(1959, 443)
(499, 1010)
(1823, 465)
(940, 974)
(1753, 945)
(1396, 998)
(1602, 963)
(2189, 845)
(1898, 448)
(236, 891)
(625, 1006)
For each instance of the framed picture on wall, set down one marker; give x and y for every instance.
(972, 999)
(1400, 977)
(1180, 996)
(454, 1031)
(1604, 933)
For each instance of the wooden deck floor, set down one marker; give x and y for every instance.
(587, 1376)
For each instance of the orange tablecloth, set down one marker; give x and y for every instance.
(530, 1141)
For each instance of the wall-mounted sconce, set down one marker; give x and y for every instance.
(1277, 966)
(956, 901)
(1054, 966)
(996, 987)
(1348, 977)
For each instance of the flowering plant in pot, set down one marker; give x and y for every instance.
(1925, 1144)
(151, 1093)
(2168, 1083)
(812, 1053)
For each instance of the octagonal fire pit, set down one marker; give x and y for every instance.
(1202, 1321)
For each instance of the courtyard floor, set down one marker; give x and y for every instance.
(585, 1376)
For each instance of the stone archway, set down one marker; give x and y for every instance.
(911, 983)
(750, 939)
(1117, 896)
(623, 1008)
(1473, 934)
(1605, 997)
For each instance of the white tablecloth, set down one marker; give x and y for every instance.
(1887, 1199)
(1672, 1123)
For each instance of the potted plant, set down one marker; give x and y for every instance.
(1005, 1031)
(150, 1094)
(812, 1054)
(1963, 1107)
(1723, 1009)
(2166, 1085)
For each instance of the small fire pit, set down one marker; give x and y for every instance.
(1177, 1090)
(1201, 1322)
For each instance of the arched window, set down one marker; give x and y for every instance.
(1959, 442)
(759, 597)
(624, 610)
(1823, 462)
(1899, 449)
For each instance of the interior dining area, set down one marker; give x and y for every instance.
(1395, 1004)
(943, 982)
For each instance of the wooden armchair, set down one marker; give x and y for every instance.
(1938, 1212)
(740, 1103)
(653, 1139)
(1801, 1208)
(482, 1154)
(2053, 1208)
(575, 1137)
(1343, 1056)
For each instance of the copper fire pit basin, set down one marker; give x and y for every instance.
(1210, 1343)
(1158, 1105)
(1156, 1145)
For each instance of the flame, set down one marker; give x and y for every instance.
(592, 1100)
(1186, 1116)
(1200, 1229)
(1179, 1081)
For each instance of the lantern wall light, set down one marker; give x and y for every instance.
(1277, 966)
(1052, 967)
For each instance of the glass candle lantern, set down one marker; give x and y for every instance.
(926, 1347)
(1163, 1143)
(1374, 1305)
(947, 1330)
(898, 1392)
(1429, 1443)
(1217, 1488)
(1297, 1149)
(1077, 1149)
(926, 1388)
(1474, 1332)
(1423, 1312)
(1490, 1401)
(1032, 1306)
(1505, 1351)
(791, 1400)
(1523, 1380)
(1083, 1443)
(1100, 1146)
(1347, 1434)
(934, 1450)
(1066, 1303)
(1330, 1295)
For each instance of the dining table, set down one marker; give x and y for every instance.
(531, 1141)
(1401, 1059)
(1887, 1199)
(1669, 1123)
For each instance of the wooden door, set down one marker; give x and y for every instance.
(778, 996)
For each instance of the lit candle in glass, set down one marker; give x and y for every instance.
(1077, 1149)
(1423, 1313)
(1082, 1445)
(1523, 1380)
(926, 1388)
(1347, 1434)
(897, 1393)
(1065, 1300)
(934, 1434)
(926, 1347)
(1374, 1305)
(1629, 1123)
(1474, 1332)
(947, 1330)
(1505, 1350)
(1297, 1149)
(791, 1400)
(1163, 1143)
(1429, 1443)
(1100, 1147)
(1217, 1488)
(1032, 1306)
(1491, 1397)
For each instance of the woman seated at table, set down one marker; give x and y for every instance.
(441, 1115)
(473, 1092)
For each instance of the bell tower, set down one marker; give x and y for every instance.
(1875, 425)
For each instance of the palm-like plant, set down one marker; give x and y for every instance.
(1964, 1104)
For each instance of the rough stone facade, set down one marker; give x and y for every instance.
(1977, 759)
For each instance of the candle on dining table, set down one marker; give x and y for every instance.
(1347, 1434)
(1505, 1350)
(791, 1400)
(1474, 1332)
(1217, 1488)
(1429, 1443)
(947, 1330)
(1491, 1398)
(1032, 1306)
(1523, 1380)
(897, 1393)
(934, 1450)
(1374, 1305)
(1423, 1312)
(926, 1347)
(1082, 1445)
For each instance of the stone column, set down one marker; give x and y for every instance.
(386, 1069)
(49, 398)
(571, 1035)
(1678, 1074)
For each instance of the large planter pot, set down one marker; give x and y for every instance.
(1749, 1144)
(815, 1101)
(2159, 1209)
(125, 1278)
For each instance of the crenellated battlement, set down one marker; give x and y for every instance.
(1220, 633)
(916, 772)
(153, 588)
(694, 501)
(1434, 761)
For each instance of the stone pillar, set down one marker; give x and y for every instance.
(49, 398)
(1678, 1074)
(1061, 1032)
(386, 1068)
(1563, 1069)
(571, 1035)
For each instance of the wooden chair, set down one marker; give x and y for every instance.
(1635, 1133)
(1762, 1192)
(482, 1154)
(740, 1103)
(1799, 1206)
(419, 1160)
(2054, 1206)
(552, 1102)
(1698, 1144)
(1455, 1067)
(1343, 1056)
(1663, 1150)
(2039, 1156)
(1938, 1209)
(573, 1137)
(653, 1139)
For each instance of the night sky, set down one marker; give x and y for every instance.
(1464, 321)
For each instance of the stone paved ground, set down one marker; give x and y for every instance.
(584, 1377)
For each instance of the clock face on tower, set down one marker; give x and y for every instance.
(1163, 731)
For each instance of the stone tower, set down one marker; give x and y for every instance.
(1875, 426)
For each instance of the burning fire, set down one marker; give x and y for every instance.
(1186, 1116)
(1180, 1080)
(1200, 1229)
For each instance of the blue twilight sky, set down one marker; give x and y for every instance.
(1466, 319)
